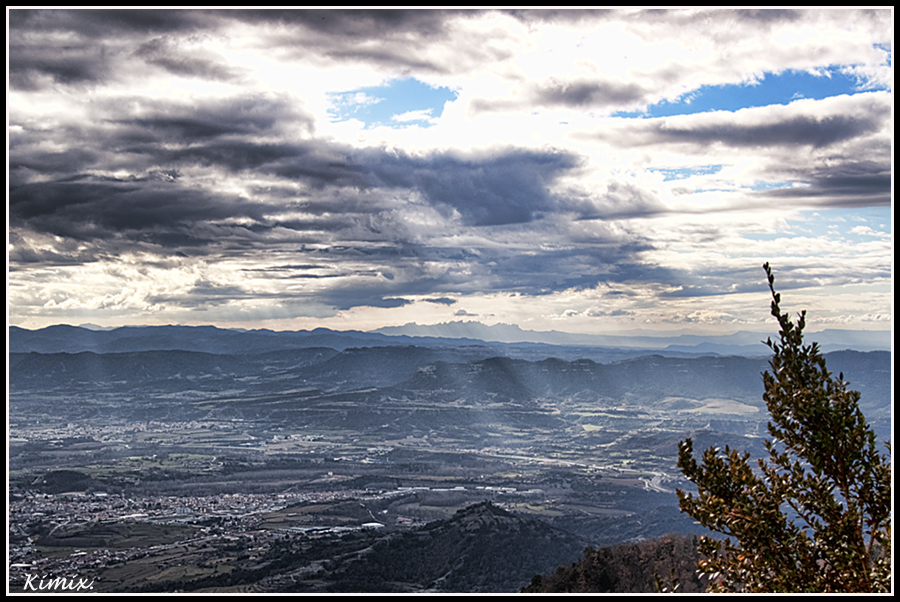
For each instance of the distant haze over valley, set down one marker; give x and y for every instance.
(470, 332)
(737, 343)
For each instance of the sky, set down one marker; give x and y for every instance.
(582, 171)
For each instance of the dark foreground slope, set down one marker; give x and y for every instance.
(482, 548)
(628, 568)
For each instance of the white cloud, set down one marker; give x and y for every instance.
(420, 115)
(202, 176)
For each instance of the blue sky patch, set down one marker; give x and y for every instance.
(683, 173)
(782, 88)
(886, 49)
(762, 185)
(855, 225)
(398, 103)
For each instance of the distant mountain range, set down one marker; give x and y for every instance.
(527, 343)
(205, 339)
(275, 372)
(739, 343)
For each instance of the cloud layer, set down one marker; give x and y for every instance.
(187, 166)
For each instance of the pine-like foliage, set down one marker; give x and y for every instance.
(816, 515)
(628, 568)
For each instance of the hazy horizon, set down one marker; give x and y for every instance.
(589, 172)
(741, 341)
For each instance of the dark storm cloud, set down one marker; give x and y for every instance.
(313, 162)
(590, 94)
(32, 66)
(564, 16)
(398, 40)
(580, 269)
(59, 191)
(509, 187)
(709, 17)
(800, 130)
(353, 24)
(848, 183)
(72, 47)
(152, 128)
(190, 127)
(204, 294)
(666, 16)
(384, 303)
(151, 136)
(103, 22)
(94, 210)
(441, 301)
(541, 271)
(764, 16)
(93, 46)
(581, 94)
(319, 191)
(397, 272)
(373, 290)
(812, 130)
(856, 173)
(165, 54)
(622, 200)
(58, 163)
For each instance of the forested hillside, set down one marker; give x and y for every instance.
(628, 568)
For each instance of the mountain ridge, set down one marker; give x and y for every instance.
(860, 340)
(212, 339)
